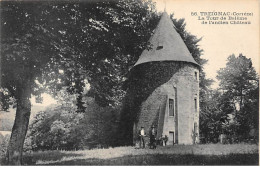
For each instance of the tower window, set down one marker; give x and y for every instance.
(195, 105)
(196, 75)
(195, 128)
(171, 107)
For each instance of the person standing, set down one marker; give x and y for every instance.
(142, 135)
(152, 138)
(161, 140)
(165, 140)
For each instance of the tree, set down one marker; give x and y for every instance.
(61, 44)
(240, 84)
(53, 129)
(108, 44)
(25, 54)
(210, 117)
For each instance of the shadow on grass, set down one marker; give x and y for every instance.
(32, 158)
(159, 159)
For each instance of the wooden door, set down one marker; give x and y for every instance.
(171, 138)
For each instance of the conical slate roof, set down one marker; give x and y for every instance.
(167, 45)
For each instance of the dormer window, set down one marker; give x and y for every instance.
(160, 46)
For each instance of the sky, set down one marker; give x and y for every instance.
(218, 41)
(47, 100)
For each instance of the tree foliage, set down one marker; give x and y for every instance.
(48, 45)
(232, 109)
(63, 128)
(92, 41)
(240, 84)
(3, 145)
(105, 39)
(210, 117)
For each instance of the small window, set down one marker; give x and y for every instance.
(195, 127)
(196, 75)
(160, 46)
(195, 105)
(171, 107)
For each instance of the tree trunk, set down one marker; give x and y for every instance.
(23, 111)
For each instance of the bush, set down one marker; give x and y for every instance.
(3, 144)
(63, 128)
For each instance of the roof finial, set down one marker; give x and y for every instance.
(164, 5)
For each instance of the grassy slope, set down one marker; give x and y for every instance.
(213, 154)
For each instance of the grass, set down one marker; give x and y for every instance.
(159, 159)
(211, 154)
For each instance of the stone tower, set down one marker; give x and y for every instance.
(164, 89)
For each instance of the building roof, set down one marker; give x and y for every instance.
(167, 45)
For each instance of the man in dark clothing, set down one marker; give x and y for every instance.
(165, 140)
(152, 138)
(161, 139)
(142, 135)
